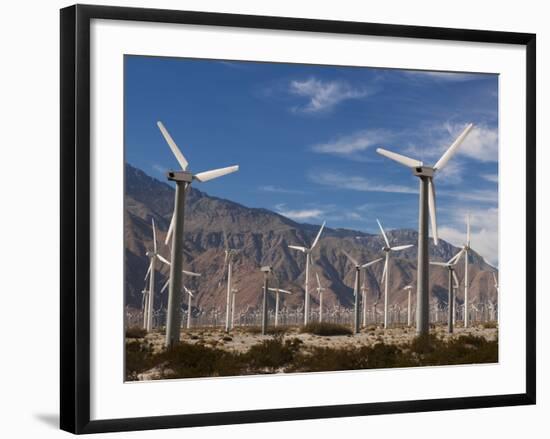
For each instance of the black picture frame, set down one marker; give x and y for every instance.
(75, 217)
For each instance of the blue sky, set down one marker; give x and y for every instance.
(305, 138)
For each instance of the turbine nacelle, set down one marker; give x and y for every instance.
(423, 171)
(184, 176)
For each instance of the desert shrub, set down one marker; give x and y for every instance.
(490, 325)
(271, 354)
(139, 358)
(195, 360)
(270, 330)
(326, 329)
(135, 332)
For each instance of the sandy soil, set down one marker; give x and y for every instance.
(241, 339)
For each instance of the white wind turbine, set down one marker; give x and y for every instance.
(307, 251)
(408, 289)
(183, 180)
(189, 292)
(387, 249)
(496, 281)
(358, 268)
(364, 290)
(320, 290)
(234, 292)
(151, 271)
(426, 207)
(277, 291)
(450, 266)
(228, 261)
(145, 306)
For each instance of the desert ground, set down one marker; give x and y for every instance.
(292, 349)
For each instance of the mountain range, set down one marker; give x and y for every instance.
(262, 237)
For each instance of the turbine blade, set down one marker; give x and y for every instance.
(453, 148)
(368, 264)
(440, 264)
(190, 273)
(455, 277)
(495, 279)
(165, 286)
(170, 230)
(385, 269)
(468, 230)
(297, 247)
(431, 208)
(215, 173)
(401, 247)
(163, 259)
(383, 233)
(404, 160)
(318, 235)
(175, 150)
(154, 235)
(455, 258)
(188, 291)
(284, 291)
(353, 261)
(319, 282)
(148, 271)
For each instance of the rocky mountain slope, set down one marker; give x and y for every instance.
(262, 238)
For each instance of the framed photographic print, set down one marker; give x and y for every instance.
(304, 218)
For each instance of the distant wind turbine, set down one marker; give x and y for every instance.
(358, 268)
(408, 289)
(307, 251)
(183, 180)
(387, 249)
(450, 266)
(228, 261)
(426, 207)
(277, 291)
(320, 290)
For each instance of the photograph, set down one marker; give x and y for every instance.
(286, 218)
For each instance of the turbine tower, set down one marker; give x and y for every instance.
(387, 249)
(183, 180)
(229, 253)
(320, 290)
(450, 265)
(307, 252)
(408, 289)
(358, 268)
(426, 207)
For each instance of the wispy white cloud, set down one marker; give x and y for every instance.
(483, 232)
(299, 214)
(324, 95)
(357, 183)
(493, 178)
(475, 195)
(279, 190)
(353, 144)
(159, 168)
(444, 76)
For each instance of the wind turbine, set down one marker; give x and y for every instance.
(364, 299)
(426, 206)
(450, 265)
(229, 252)
(307, 252)
(408, 289)
(277, 291)
(183, 179)
(387, 249)
(266, 270)
(496, 282)
(358, 268)
(145, 306)
(153, 257)
(320, 290)
(189, 292)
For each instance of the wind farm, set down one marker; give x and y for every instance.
(274, 268)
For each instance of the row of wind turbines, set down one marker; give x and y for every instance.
(183, 178)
